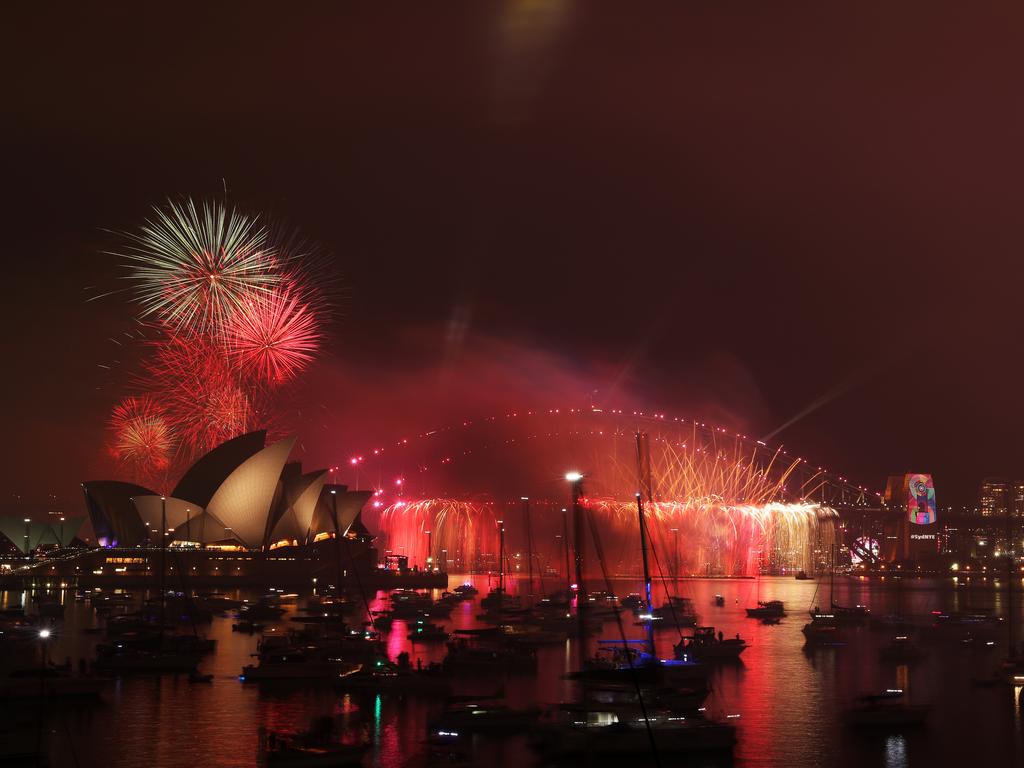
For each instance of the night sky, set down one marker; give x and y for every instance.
(737, 212)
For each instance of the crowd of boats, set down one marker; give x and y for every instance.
(627, 698)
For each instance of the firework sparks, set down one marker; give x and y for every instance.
(465, 530)
(141, 437)
(274, 334)
(200, 392)
(193, 265)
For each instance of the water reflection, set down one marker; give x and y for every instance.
(791, 699)
(895, 752)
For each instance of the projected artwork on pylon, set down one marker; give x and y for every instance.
(921, 499)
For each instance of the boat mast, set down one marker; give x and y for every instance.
(832, 573)
(337, 542)
(581, 591)
(565, 540)
(529, 540)
(163, 561)
(1010, 575)
(501, 556)
(641, 440)
(647, 574)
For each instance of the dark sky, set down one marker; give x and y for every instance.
(749, 207)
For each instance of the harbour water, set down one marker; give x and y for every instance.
(786, 700)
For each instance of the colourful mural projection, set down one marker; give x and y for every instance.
(921, 499)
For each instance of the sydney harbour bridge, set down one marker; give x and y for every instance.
(717, 501)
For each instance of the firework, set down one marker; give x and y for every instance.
(192, 266)
(141, 437)
(273, 334)
(466, 530)
(200, 392)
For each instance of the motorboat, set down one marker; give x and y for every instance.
(720, 600)
(466, 591)
(469, 655)
(383, 676)
(902, 650)
(856, 614)
(263, 610)
(296, 664)
(623, 662)
(632, 602)
(425, 632)
(487, 717)
(705, 645)
(674, 612)
(573, 731)
(889, 708)
(823, 629)
(314, 749)
(767, 609)
(499, 600)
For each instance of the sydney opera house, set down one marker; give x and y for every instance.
(241, 514)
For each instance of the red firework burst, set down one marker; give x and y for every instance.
(274, 334)
(141, 437)
(200, 391)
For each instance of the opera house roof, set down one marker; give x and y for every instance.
(242, 492)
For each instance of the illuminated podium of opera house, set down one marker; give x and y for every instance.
(242, 515)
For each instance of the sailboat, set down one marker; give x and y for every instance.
(154, 650)
(857, 614)
(628, 661)
(627, 729)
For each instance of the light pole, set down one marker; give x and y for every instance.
(28, 535)
(44, 635)
(501, 556)
(163, 556)
(576, 479)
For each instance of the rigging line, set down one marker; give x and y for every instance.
(359, 584)
(664, 581)
(598, 550)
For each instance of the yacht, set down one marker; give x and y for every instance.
(296, 664)
(767, 609)
(573, 731)
(705, 645)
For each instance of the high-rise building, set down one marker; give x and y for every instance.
(993, 497)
